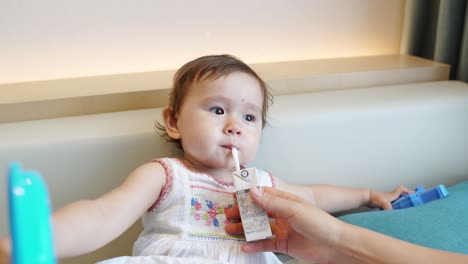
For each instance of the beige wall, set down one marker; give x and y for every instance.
(50, 39)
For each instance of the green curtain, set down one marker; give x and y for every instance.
(438, 30)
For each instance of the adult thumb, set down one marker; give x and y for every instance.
(275, 201)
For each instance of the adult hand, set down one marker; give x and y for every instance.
(301, 229)
(306, 232)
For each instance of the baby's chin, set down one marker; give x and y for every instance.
(211, 164)
(222, 166)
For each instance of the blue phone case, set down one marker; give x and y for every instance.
(30, 218)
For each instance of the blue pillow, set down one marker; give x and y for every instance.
(440, 224)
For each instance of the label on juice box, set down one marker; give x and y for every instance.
(254, 219)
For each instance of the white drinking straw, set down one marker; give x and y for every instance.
(235, 155)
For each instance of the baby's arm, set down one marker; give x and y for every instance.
(5, 249)
(87, 225)
(333, 199)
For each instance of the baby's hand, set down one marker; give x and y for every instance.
(4, 251)
(384, 199)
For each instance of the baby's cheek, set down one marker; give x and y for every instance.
(251, 151)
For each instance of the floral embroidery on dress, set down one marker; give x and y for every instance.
(208, 213)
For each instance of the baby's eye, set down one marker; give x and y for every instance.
(250, 118)
(217, 110)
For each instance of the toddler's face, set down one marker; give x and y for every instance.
(218, 115)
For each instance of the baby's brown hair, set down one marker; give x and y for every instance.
(208, 68)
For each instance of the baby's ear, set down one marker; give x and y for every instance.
(170, 122)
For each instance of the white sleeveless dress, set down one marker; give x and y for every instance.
(186, 224)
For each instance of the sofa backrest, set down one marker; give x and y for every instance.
(380, 137)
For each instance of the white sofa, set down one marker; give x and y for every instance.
(379, 137)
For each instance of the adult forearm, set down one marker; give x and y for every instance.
(359, 245)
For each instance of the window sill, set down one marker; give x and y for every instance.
(122, 92)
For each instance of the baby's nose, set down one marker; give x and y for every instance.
(234, 131)
(232, 127)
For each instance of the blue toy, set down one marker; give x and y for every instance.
(420, 196)
(30, 218)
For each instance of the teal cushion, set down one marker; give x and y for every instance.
(441, 224)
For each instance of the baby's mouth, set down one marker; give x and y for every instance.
(229, 147)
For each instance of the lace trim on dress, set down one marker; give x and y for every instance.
(166, 188)
(209, 188)
(217, 237)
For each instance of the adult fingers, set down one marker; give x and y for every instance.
(278, 193)
(264, 245)
(234, 228)
(233, 212)
(283, 203)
